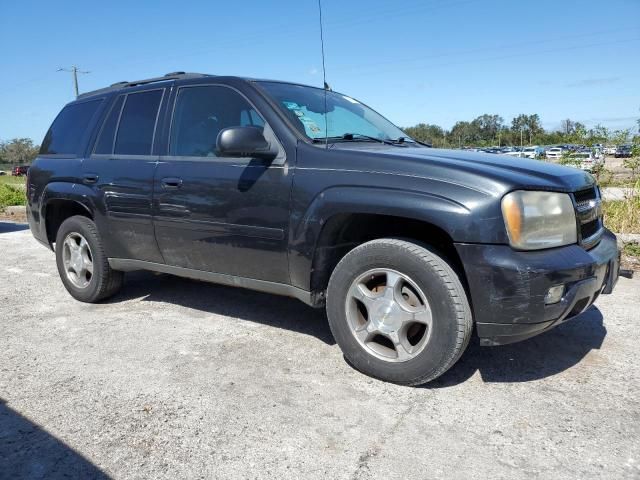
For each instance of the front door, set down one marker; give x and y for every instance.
(223, 215)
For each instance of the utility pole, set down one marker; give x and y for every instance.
(74, 71)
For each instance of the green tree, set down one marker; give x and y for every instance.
(432, 134)
(486, 127)
(598, 134)
(464, 133)
(529, 125)
(18, 151)
(567, 126)
(620, 137)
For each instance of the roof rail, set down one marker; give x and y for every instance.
(164, 78)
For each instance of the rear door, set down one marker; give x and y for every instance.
(217, 214)
(120, 170)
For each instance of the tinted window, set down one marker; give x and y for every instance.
(200, 114)
(67, 129)
(137, 123)
(105, 141)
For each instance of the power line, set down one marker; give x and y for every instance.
(489, 49)
(74, 71)
(404, 70)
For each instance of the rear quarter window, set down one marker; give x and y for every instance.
(68, 129)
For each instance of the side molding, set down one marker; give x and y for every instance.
(127, 265)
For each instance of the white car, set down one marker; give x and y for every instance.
(554, 153)
(530, 152)
(609, 150)
(587, 160)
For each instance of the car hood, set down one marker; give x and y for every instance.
(481, 171)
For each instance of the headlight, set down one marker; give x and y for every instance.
(537, 220)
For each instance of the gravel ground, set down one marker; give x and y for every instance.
(180, 379)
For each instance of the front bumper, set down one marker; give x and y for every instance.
(508, 287)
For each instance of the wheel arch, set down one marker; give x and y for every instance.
(61, 201)
(341, 218)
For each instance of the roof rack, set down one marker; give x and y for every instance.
(164, 78)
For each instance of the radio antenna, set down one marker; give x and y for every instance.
(324, 80)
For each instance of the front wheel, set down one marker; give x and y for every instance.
(82, 263)
(398, 311)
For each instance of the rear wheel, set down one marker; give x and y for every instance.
(82, 263)
(398, 311)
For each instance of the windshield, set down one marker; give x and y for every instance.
(347, 119)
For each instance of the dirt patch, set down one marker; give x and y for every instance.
(20, 217)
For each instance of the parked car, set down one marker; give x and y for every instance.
(530, 152)
(554, 153)
(514, 153)
(609, 150)
(20, 171)
(586, 160)
(623, 151)
(493, 150)
(235, 181)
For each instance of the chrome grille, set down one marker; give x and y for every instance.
(589, 215)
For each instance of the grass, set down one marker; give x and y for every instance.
(11, 195)
(616, 182)
(623, 216)
(11, 180)
(632, 249)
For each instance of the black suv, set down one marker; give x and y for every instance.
(309, 193)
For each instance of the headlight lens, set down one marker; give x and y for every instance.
(537, 220)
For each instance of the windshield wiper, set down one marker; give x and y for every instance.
(358, 137)
(409, 140)
(362, 136)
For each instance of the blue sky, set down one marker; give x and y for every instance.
(432, 61)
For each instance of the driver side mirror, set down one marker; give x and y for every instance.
(245, 142)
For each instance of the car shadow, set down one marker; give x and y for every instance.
(29, 452)
(539, 357)
(542, 356)
(7, 227)
(275, 311)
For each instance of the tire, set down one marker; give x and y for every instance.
(426, 284)
(103, 281)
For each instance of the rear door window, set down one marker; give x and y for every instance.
(137, 123)
(68, 129)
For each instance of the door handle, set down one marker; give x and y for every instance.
(89, 178)
(171, 182)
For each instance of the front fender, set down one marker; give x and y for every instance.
(453, 217)
(382, 201)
